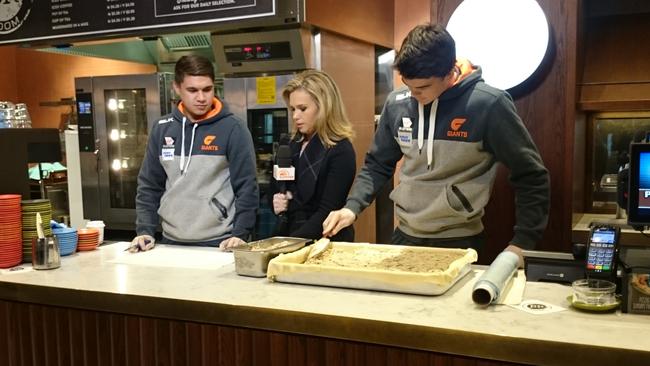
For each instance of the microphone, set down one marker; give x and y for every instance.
(283, 171)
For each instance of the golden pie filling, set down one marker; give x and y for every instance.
(396, 259)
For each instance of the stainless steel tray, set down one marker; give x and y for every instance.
(292, 268)
(252, 259)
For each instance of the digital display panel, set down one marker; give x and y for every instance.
(639, 185)
(85, 122)
(258, 52)
(84, 107)
(644, 180)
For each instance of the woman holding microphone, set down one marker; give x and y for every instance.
(322, 154)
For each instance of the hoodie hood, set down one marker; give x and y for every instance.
(218, 112)
(469, 75)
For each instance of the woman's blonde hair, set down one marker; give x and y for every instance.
(332, 124)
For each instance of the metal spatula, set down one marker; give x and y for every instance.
(318, 247)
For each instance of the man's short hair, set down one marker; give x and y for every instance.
(427, 51)
(194, 65)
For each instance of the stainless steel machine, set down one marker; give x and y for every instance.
(257, 66)
(115, 115)
(258, 101)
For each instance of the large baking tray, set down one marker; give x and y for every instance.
(252, 259)
(291, 268)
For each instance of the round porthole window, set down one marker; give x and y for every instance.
(507, 38)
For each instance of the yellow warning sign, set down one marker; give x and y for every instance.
(265, 89)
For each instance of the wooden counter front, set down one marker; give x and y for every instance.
(92, 311)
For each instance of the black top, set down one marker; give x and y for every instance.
(323, 179)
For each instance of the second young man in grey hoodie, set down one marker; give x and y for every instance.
(451, 129)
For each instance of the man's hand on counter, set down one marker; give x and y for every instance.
(338, 220)
(142, 243)
(231, 242)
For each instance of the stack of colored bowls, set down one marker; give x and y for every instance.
(67, 238)
(11, 251)
(29, 210)
(88, 239)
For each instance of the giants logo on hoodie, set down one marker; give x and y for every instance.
(455, 126)
(207, 143)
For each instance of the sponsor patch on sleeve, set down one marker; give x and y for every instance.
(404, 95)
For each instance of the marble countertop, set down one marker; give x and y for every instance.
(109, 279)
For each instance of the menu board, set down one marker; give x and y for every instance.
(34, 20)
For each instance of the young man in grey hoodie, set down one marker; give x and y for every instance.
(451, 129)
(198, 174)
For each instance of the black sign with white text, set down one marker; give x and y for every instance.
(23, 21)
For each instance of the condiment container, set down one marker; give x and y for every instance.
(594, 292)
(99, 225)
(45, 253)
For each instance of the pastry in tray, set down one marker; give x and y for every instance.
(419, 270)
(407, 259)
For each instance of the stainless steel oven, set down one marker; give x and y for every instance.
(258, 101)
(115, 115)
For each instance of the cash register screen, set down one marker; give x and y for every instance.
(639, 191)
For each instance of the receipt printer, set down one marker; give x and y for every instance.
(560, 267)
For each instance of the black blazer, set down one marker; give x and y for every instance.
(323, 179)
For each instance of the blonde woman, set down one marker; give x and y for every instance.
(322, 154)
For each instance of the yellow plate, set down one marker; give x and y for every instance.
(591, 307)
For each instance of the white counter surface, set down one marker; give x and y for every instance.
(449, 323)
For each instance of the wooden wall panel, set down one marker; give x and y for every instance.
(42, 76)
(368, 20)
(441, 10)
(46, 335)
(7, 73)
(548, 111)
(408, 14)
(616, 48)
(351, 64)
(616, 73)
